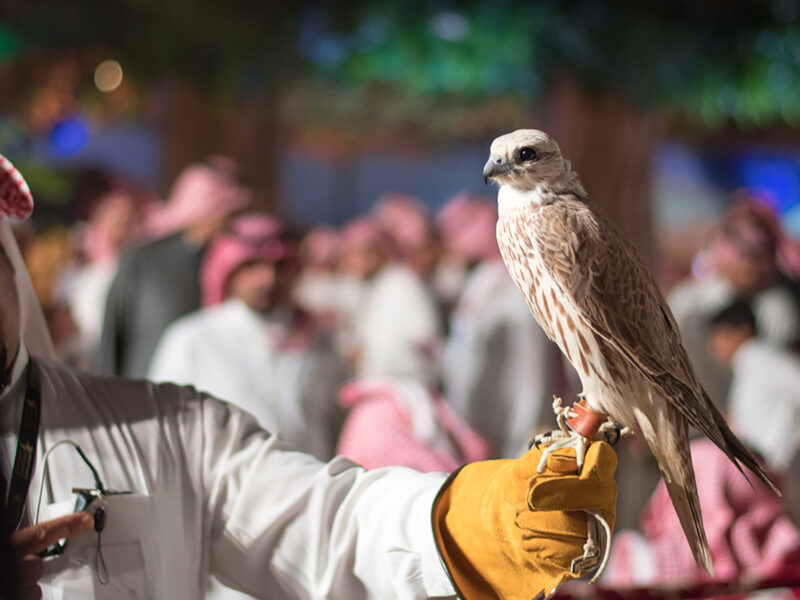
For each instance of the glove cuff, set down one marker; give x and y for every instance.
(495, 543)
(466, 580)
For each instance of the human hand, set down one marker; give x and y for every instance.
(506, 531)
(28, 541)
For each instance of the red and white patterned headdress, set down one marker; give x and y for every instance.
(16, 201)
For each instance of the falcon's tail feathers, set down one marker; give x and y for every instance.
(668, 440)
(740, 453)
(711, 423)
(683, 493)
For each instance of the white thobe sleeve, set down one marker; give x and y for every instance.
(284, 524)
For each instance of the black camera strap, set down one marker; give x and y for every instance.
(25, 457)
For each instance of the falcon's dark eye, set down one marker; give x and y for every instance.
(528, 154)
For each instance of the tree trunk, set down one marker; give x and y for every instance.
(247, 131)
(610, 145)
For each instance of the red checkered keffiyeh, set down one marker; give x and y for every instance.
(748, 531)
(16, 201)
(402, 422)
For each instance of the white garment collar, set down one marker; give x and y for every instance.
(279, 317)
(17, 370)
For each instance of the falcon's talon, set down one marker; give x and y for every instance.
(544, 439)
(561, 438)
(539, 439)
(612, 432)
(564, 440)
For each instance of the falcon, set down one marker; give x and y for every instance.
(589, 289)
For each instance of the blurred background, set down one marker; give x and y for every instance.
(663, 109)
(675, 114)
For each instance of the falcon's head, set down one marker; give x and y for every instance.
(523, 159)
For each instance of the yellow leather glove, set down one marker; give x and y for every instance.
(506, 531)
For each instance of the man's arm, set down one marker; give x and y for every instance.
(285, 523)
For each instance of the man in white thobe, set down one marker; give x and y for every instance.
(191, 486)
(210, 492)
(158, 281)
(396, 328)
(252, 345)
(764, 397)
(741, 261)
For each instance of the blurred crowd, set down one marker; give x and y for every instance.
(399, 339)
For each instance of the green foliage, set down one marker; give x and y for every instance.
(710, 59)
(51, 186)
(10, 45)
(428, 53)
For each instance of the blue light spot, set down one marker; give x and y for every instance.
(69, 136)
(777, 177)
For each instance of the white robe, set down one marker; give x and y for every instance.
(398, 331)
(213, 493)
(764, 401)
(235, 354)
(499, 363)
(695, 301)
(318, 292)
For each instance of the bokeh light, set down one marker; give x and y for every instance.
(69, 136)
(108, 76)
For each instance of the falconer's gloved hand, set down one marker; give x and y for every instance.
(506, 531)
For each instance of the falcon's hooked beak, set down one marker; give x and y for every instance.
(495, 166)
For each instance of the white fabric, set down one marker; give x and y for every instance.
(88, 291)
(318, 292)
(215, 494)
(764, 401)
(33, 328)
(777, 315)
(419, 402)
(397, 328)
(448, 280)
(498, 362)
(350, 295)
(335, 299)
(234, 353)
(695, 301)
